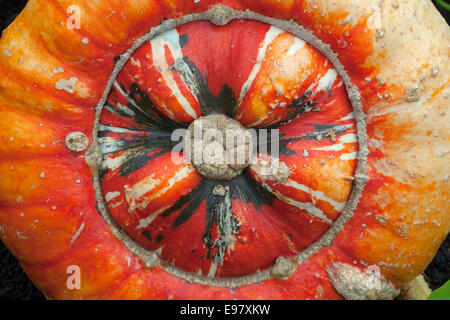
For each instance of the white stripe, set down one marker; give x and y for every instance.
(172, 40)
(212, 270)
(298, 44)
(144, 223)
(141, 188)
(326, 82)
(348, 138)
(136, 63)
(348, 117)
(125, 109)
(339, 206)
(78, 233)
(114, 163)
(349, 156)
(110, 144)
(111, 195)
(258, 122)
(270, 36)
(308, 206)
(124, 94)
(111, 108)
(117, 129)
(135, 192)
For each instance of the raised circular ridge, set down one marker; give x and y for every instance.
(216, 15)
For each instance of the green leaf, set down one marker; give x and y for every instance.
(442, 293)
(443, 4)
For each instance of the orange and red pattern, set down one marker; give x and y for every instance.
(54, 76)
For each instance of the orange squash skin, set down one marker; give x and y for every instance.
(46, 190)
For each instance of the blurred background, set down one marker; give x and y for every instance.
(14, 284)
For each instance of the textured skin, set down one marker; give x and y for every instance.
(46, 191)
(142, 186)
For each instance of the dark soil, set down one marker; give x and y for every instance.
(14, 284)
(438, 272)
(8, 11)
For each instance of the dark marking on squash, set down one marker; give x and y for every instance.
(138, 162)
(219, 211)
(144, 147)
(184, 40)
(297, 108)
(224, 103)
(323, 131)
(158, 127)
(147, 234)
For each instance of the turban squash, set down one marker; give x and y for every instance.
(357, 90)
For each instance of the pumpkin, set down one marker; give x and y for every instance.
(352, 93)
